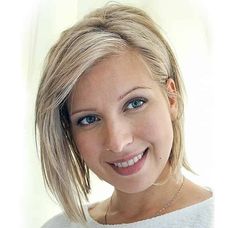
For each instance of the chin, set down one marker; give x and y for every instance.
(132, 187)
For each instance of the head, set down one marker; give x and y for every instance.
(104, 34)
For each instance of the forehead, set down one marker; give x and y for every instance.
(126, 64)
(112, 77)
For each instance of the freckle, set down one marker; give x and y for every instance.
(160, 158)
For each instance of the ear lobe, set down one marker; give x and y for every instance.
(172, 98)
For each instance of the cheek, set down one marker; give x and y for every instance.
(156, 122)
(87, 146)
(157, 129)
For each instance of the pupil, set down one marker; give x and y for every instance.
(90, 119)
(136, 103)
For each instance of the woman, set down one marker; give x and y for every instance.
(111, 100)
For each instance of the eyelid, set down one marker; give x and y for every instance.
(134, 99)
(79, 116)
(79, 119)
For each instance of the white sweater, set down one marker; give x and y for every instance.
(199, 215)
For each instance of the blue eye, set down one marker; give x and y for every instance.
(87, 120)
(136, 103)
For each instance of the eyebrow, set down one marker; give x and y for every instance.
(119, 98)
(131, 90)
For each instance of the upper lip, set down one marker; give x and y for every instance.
(128, 157)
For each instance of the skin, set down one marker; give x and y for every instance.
(117, 111)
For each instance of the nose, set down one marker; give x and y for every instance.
(118, 136)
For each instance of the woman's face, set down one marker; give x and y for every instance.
(121, 122)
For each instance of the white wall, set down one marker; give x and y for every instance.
(203, 36)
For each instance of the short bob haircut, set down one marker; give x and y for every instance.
(102, 33)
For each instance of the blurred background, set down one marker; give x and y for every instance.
(202, 35)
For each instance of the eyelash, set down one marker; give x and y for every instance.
(79, 122)
(136, 99)
(97, 119)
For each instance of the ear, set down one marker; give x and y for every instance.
(172, 98)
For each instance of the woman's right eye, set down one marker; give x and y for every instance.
(87, 120)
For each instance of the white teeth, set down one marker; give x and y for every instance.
(130, 162)
(135, 159)
(124, 164)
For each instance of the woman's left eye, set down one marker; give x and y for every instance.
(136, 103)
(87, 120)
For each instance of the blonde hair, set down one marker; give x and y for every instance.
(102, 33)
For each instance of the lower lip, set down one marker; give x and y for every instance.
(131, 169)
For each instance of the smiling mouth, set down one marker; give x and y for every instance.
(130, 166)
(130, 162)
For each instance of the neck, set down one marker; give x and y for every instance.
(136, 204)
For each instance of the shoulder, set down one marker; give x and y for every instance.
(60, 221)
(56, 221)
(193, 197)
(196, 215)
(196, 206)
(193, 193)
(200, 214)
